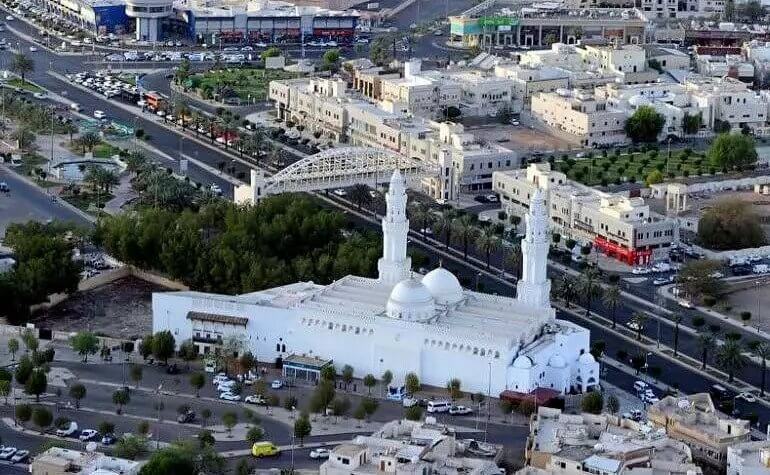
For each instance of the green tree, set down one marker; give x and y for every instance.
(638, 322)
(78, 393)
(22, 65)
(106, 427)
(302, 427)
(23, 412)
(120, 398)
(5, 389)
(730, 224)
(163, 345)
(359, 194)
(731, 151)
(762, 351)
(611, 299)
(592, 402)
(487, 242)
(130, 447)
(655, 176)
(612, 404)
(589, 288)
(23, 370)
(168, 461)
(370, 381)
(706, 341)
(413, 413)
(36, 384)
(692, 123)
(188, 352)
(255, 434)
(347, 375)
(645, 124)
(136, 374)
(386, 379)
(340, 407)
(84, 343)
(13, 347)
(229, 420)
(271, 52)
(412, 383)
(331, 59)
(145, 347)
(730, 358)
(205, 437)
(42, 418)
(197, 381)
(465, 231)
(696, 279)
(453, 387)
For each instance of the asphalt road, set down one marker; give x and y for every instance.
(26, 202)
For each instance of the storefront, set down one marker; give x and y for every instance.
(629, 256)
(304, 369)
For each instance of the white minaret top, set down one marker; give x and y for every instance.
(534, 288)
(394, 266)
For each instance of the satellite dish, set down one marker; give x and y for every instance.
(91, 447)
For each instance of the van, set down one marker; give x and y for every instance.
(264, 449)
(439, 406)
(640, 386)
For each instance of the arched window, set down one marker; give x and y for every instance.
(283, 348)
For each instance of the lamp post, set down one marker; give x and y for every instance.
(757, 284)
(292, 441)
(157, 429)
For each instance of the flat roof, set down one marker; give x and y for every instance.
(307, 362)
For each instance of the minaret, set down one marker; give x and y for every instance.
(534, 288)
(394, 266)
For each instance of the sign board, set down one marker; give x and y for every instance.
(498, 21)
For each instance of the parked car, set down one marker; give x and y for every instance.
(20, 456)
(319, 453)
(340, 192)
(460, 410)
(255, 399)
(88, 434)
(409, 401)
(7, 452)
(109, 439)
(71, 429)
(748, 397)
(277, 384)
(186, 417)
(229, 397)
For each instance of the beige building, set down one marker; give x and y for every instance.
(728, 100)
(695, 421)
(580, 114)
(617, 225)
(576, 444)
(369, 81)
(58, 461)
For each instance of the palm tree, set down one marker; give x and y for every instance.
(465, 231)
(444, 225)
(514, 260)
(422, 217)
(198, 120)
(730, 358)
(611, 300)
(359, 194)
(566, 288)
(89, 140)
(638, 320)
(762, 351)
(487, 241)
(181, 110)
(589, 288)
(22, 65)
(677, 320)
(228, 122)
(705, 341)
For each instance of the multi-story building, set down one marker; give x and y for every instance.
(729, 101)
(422, 93)
(580, 114)
(660, 8)
(695, 421)
(538, 25)
(621, 227)
(58, 461)
(668, 58)
(369, 81)
(749, 458)
(407, 447)
(100, 16)
(530, 80)
(576, 444)
(728, 65)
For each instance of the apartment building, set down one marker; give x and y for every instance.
(668, 58)
(582, 116)
(728, 65)
(729, 101)
(619, 226)
(422, 93)
(369, 81)
(576, 444)
(660, 8)
(412, 448)
(530, 80)
(695, 421)
(58, 461)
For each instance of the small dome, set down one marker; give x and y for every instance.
(557, 361)
(522, 362)
(443, 286)
(410, 300)
(586, 358)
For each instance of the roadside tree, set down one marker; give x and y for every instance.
(77, 392)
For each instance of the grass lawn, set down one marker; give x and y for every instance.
(101, 150)
(16, 82)
(83, 200)
(245, 82)
(633, 167)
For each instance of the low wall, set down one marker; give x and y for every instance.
(737, 253)
(17, 331)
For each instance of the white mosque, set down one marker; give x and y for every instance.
(401, 321)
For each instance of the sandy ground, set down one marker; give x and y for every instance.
(755, 300)
(121, 309)
(522, 139)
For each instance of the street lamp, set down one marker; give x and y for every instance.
(757, 284)
(157, 429)
(292, 441)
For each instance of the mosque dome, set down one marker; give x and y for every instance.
(443, 286)
(557, 361)
(522, 362)
(586, 359)
(410, 300)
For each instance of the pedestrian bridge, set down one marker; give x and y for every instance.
(344, 167)
(335, 168)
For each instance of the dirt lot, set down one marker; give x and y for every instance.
(698, 203)
(120, 309)
(522, 139)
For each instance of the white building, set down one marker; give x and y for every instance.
(59, 461)
(749, 458)
(403, 322)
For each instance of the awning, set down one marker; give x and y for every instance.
(217, 318)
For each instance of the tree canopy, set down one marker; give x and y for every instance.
(645, 124)
(730, 224)
(697, 278)
(732, 150)
(230, 249)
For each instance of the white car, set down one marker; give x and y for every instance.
(748, 397)
(651, 400)
(460, 410)
(277, 384)
(640, 270)
(225, 386)
(409, 401)
(685, 303)
(219, 377)
(99, 114)
(7, 452)
(319, 453)
(255, 399)
(160, 113)
(633, 326)
(229, 397)
(20, 456)
(9, 18)
(71, 429)
(88, 434)
(32, 49)
(340, 192)
(39, 95)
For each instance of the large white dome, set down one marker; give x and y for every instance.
(410, 300)
(522, 362)
(557, 361)
(586, 359)
(443, 286)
